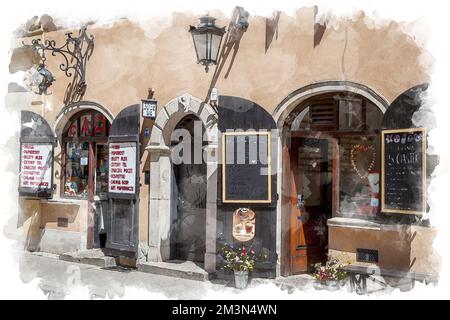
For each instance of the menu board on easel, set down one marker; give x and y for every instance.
(403, 171)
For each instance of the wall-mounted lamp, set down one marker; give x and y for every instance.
(76, 51)
(207, 38)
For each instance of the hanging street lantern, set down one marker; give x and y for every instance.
(207, 38)
(42, 79)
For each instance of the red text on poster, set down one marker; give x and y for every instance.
(36, 166)
(122, 167)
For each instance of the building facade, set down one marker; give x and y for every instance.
(313, 100)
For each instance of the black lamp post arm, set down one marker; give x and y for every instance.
(77, 49)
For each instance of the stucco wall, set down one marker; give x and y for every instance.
(130, 57)
(126, 61)
(400, 247)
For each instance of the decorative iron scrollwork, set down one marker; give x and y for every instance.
(76, 51)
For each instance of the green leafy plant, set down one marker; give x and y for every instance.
(238, 259)
(332, 270)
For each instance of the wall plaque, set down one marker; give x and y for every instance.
(403, 171)
(243, 224)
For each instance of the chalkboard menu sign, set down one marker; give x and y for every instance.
(246, 167)
(403, 171)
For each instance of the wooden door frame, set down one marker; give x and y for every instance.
(286, 197)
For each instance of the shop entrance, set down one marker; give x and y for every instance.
(311, 167)
(85, 167)
(189, 216)
(330, 169)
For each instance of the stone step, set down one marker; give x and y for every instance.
(93, 257)
(180, 269)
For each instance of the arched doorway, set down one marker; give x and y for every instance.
(188, 241)
(84, 167)
(162, 200)
(330, 166)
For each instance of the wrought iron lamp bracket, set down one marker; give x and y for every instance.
(76, 51)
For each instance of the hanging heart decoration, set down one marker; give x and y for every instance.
(363, 149)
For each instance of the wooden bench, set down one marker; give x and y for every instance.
(358, 276)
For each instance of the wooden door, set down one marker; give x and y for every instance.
(123, 189)
(311, 189)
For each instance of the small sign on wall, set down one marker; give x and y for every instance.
(122, 167)
(149, 107)
(243, 224)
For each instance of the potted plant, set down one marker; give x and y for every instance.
(329, 276)
(241, 260)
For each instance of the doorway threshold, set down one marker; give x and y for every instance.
(175, 268)
(94, 257)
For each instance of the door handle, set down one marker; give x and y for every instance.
(300, 201)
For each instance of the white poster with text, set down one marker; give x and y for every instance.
(122, 167)
(36, 166)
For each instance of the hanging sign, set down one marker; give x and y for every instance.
(243, 224)
(403, 171)
(122, 167)
(36, 164)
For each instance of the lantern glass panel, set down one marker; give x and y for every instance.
(200, 44)
(215, 45)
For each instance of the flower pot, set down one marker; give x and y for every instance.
(330, 285)
(241, 279)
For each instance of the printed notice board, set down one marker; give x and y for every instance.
(122, 168)
(36, 161)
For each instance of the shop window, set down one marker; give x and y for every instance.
(359, 175)
(85, 155)
(348, 128)
(77, 169)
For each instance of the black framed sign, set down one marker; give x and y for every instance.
(403, 171)
(246, 167)
(37, 142)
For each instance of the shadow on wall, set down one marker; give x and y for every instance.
(272, 29)
(236, 29)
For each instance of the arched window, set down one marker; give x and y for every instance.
(336, 151)
(85, 155)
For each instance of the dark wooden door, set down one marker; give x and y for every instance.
(123, 188)
(189, 237)
(311, 202)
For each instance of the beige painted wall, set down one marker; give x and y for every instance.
(129, 58)
(400, 247)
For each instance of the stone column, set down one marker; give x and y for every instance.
(159, 203)
(211, 207)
